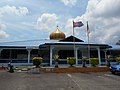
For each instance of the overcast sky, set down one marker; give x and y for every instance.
(36, 19)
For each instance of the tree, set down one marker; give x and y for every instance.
(108, 60)
(84, 61)
(56, 59)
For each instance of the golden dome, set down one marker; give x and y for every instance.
(57, 35)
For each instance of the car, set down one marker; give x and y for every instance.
(115, 69)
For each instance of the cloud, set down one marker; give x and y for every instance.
(10, 10)
(104, 8)
(68, 27)
(2, 26)
(20, 11)
(47, 22)
(3, 34)
(69, 2)
(104, 21)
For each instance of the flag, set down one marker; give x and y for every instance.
(77, 24)
(88, 30)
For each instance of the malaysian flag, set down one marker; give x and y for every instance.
(77, 24)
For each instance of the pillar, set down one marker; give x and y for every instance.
(0, 51)
(51, 49)
(76, 55)
(105, 56)
(29, 50)
(99, 58)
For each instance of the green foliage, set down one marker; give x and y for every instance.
(71, 60)
(37, 61)
(84, 58)
(94, 61)
(108, 57)
(56, 57)
(108, 60)
(117, 59)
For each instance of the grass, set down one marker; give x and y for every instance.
(23, 67)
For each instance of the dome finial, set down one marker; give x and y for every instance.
(57, 26)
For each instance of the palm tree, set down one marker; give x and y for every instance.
(84, 61)
(56, 59)
(108, 60)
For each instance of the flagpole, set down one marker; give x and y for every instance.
(88, 41)
(76, 24)
(74, 39)
(88, 47)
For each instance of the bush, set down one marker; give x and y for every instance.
(37, 61)
(117, 59)
(94, 61)
(71, 60)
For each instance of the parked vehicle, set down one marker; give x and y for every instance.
(115, 69)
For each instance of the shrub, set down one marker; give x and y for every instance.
(71, 60)
(37, 61)
(117, 59)
(94, 61)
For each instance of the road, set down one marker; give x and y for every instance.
(59, 81)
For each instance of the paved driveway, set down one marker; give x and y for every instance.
(59, 81)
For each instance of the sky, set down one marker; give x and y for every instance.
(37, 19)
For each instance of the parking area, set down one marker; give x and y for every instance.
(59, 81)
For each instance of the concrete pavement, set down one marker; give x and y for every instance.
(59, 81)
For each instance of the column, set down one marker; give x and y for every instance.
(105, 56)
(76, 55)
(29, 50)
(99, 58)
(0, 51)
(51, 49)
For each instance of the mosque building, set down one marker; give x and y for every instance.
(22, 52)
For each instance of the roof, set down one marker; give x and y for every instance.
(26, 43)
(72, 39)
(115, 47)
(102, 46)
(40, 43)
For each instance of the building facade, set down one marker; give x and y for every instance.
(22, 52)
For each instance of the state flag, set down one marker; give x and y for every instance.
(88, 30)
